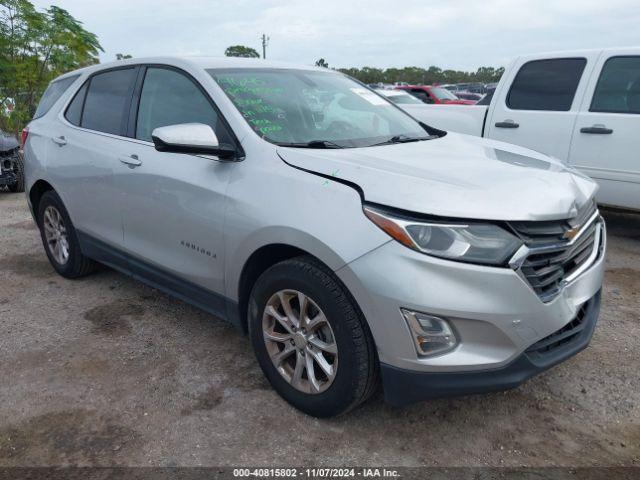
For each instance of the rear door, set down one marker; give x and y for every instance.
(606, 140)
(39, 146)
(173, 204)
(86, 145)
(538, 102)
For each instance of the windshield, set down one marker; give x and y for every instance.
(443, 94)
(324, 109)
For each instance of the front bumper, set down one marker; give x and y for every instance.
(7, 176)
(495, 313)
(403, 387)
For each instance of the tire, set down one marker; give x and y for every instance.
(356, 364)
(18, 169)
(76, 265)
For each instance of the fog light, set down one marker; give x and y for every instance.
(431, 335)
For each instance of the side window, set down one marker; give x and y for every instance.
(51, 95)
(421, 95)
(170, 98)
(107, 98)
(618, 89)
(546, 84)
(74, 110)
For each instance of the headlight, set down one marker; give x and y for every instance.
(483, 243)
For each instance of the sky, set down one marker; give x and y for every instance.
(457, 34)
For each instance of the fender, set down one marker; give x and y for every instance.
(272, 235)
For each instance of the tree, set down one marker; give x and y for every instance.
(419, 75)
(241, 51)
(322, 63)
(36, 47)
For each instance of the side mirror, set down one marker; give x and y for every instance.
(194, 138)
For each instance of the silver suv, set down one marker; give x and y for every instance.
(352, 242)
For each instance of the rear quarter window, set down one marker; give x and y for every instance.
(51, 95)
(106, 100)
(74, 110)
(546, 84)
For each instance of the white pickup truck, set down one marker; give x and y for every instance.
(582, 107)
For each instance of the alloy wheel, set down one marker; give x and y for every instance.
(55, 234)
(300, 341)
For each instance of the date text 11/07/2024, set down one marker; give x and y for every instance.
(316, 472)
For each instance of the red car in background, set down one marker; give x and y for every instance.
(431, 94)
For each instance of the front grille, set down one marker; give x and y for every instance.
(571, 331)
(550, 259)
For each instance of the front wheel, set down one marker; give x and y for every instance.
(310, 338)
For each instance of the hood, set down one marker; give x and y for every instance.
(455, 176)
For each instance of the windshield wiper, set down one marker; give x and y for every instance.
(312, 144)
(402, 139)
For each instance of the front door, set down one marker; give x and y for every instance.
(606, 140)
(173, 205)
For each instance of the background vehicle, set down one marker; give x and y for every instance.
(11, 166)
(582, 107)
(433, 95)
(486, 99)
(479, 88)
(399, 97)
(473, 97)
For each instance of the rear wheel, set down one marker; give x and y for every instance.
(59, 238)
(18, 171)
(310, 338)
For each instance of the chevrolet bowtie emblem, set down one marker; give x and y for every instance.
(571, 233)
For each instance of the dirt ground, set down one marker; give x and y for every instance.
(106, 371)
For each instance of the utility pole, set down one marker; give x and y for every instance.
(265, 42)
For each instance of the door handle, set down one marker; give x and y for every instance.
(60, 140)
(507, 124)
(131, 161)
(597, 130)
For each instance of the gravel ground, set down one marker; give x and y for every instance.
(106, 371)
